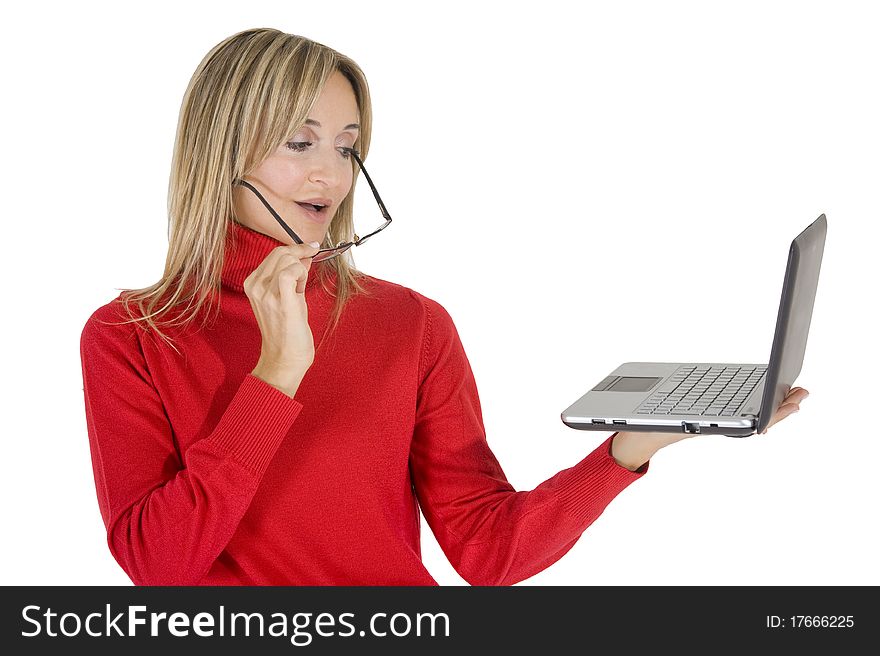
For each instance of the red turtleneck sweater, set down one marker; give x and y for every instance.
(206, 475)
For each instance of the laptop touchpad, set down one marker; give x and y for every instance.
(632, 384)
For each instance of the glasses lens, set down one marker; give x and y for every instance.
(364, 203)
(372, 234)
(330, 253)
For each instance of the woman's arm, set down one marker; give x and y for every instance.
(168, 519)
(491, 533)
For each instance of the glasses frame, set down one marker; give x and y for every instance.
(341, 247)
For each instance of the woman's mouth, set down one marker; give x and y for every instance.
(316, 213)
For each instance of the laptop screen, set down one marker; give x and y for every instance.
(795, 314)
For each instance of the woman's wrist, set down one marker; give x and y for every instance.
(632, 450)
(284, 380)
(629, 451)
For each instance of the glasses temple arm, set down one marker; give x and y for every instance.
(281, 222)
(370, 182)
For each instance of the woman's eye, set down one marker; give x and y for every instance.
(298, 146)
(302, 146)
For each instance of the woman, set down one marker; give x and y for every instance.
(229, 447)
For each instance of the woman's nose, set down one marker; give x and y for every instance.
(325, 169)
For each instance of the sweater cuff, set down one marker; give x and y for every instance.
(256, 421)
(592, 484)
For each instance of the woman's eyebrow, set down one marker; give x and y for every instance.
(350, 126)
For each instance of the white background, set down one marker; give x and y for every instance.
(577, 186)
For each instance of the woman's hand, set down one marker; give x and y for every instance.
(632, 450)
(276, 290)
(790, 404)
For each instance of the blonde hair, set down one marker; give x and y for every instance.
(250, 92)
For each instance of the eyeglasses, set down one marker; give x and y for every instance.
(341, 247)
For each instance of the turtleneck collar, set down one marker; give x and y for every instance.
(245, 251)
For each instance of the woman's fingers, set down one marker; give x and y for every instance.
(796, 394)
(784, 411)
(790, 404)
(276, 291)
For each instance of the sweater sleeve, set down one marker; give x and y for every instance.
(491, 533)
(168, 518)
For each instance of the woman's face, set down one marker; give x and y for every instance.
(308, 167)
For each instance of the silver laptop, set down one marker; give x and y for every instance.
(710, 397)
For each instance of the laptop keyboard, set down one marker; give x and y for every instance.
(703, 390)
